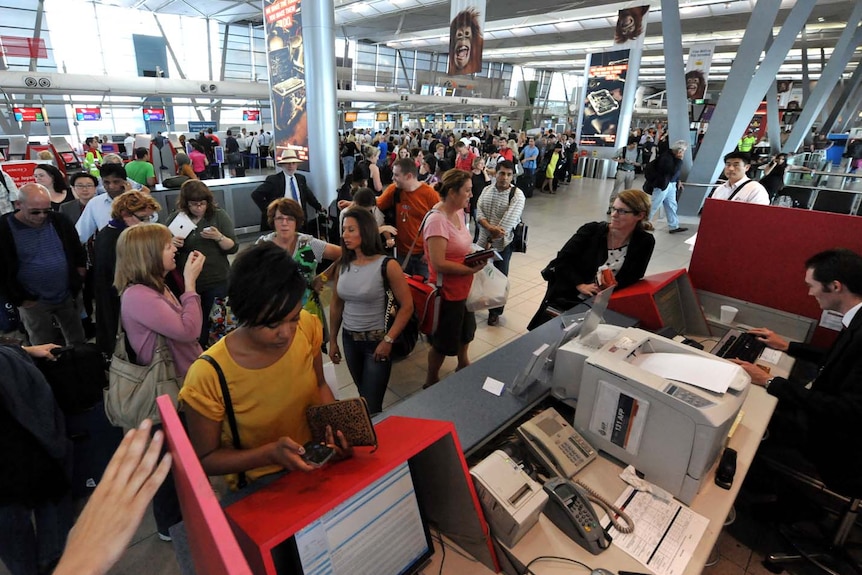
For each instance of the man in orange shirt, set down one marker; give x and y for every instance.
(411, 200)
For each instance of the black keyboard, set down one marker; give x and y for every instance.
(745, 347)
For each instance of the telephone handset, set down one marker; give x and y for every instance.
(568, 507)
(557, 445)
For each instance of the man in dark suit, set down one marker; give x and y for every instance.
(285, 184)
(821, 420)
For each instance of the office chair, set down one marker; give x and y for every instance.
(831, 555)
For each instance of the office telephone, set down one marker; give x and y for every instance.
(564, 452)
(558, 446)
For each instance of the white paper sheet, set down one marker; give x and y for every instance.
(770, 355)
(666, 533)
(714, 375)
(182, 226)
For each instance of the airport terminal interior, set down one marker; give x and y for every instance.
(776, 77)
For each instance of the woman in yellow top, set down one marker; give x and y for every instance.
(273, 367)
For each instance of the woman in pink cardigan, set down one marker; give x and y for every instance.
(145, 255)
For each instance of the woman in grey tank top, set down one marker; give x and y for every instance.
(359, 307)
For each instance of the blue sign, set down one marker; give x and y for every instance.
(202, 126)
(154, 114)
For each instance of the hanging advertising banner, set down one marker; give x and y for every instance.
(465, 37)
(631, 25)
(606, 82)
(697, 70)
(286, 63)
(784, 88)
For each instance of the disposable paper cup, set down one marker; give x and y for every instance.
(728, 313)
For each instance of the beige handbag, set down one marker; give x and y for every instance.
(132, 389)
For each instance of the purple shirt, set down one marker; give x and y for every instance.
(146, 313)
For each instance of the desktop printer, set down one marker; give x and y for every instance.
(511, 499)
(673, 432)
(570, 358)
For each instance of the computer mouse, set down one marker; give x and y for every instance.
(601, 571)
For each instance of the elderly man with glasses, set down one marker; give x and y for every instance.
(43, 265)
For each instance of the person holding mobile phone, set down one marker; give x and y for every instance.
(214, 236)
(447, 241)
(273, 369)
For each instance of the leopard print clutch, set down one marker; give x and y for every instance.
(349, 416)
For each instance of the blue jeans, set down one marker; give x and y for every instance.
(349, 162)
(417, 265)
(26, 551)
(503, 266)
(369, 375)
(666, 197)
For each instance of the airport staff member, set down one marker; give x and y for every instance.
(738, 187)
(822, 421)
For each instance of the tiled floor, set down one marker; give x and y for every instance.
(552, 220)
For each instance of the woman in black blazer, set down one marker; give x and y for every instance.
(623, 245)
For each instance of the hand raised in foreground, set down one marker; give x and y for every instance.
(117, 506)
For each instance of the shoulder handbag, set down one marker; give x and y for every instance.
(228, 408)
(426, 297)
(132, 389)
(406, 340)
(519, 241)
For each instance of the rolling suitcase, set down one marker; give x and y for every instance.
(523, 183)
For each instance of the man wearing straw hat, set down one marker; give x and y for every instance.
(285, 184)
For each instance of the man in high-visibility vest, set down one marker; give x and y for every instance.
(92, 157)
(746, 143)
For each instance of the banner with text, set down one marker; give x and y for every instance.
(606, 82)
(697, 70)
(465, 37)
(286, 63)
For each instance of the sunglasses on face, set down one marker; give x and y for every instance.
(40, 212)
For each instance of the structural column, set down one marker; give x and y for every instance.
(318, 35)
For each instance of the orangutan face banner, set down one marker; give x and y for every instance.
(465, 37)
(697, 70)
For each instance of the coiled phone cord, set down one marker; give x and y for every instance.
(609, 508)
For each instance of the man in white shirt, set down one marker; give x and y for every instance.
(738, 187)
(97, 213)
(498, 211)
(129, 144)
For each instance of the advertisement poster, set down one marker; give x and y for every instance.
(606, 82)
(286, 61)
(697, 70)
(465, 37)
(619, 417)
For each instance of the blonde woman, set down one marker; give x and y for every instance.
(145, 255)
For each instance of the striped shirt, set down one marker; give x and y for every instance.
(494, 206)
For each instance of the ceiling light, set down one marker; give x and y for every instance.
(358, 7)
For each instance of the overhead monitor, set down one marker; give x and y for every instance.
(88, 114)
(382, 117)
(154, 114)
(250, 115)
(351, 116)
(380, 530)
(449, 117)
(28, 114)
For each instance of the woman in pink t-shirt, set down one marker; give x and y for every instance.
(447, 241)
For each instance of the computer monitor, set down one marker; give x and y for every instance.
(380, 530)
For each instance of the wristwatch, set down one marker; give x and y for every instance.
(388, 339)
(768, 383)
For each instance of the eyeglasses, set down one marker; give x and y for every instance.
(142, 219)
(85, 186)
(199, 204)
(621, 211)
(40, 212)
(284, 219)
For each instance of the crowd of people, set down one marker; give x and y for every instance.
(95, 262)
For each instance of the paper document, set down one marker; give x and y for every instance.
(713, 375)
(666, 533)
(770, 355)
(182, 226)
